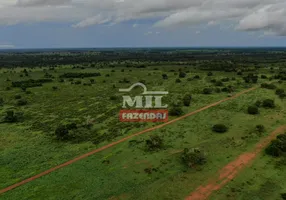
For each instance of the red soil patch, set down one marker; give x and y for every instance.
(120, 141)
(230, 171)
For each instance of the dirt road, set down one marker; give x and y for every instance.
(230, 171)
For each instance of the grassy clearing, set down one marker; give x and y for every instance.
(126, 171)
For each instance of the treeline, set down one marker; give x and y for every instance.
(30, 83)
(79, 75)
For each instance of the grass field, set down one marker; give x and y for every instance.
(129, 170)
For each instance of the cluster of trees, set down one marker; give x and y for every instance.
(250, 78)
(254, 109)
(30, 83)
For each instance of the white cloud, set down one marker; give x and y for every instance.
(246, 15)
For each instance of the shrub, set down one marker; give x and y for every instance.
(277, 147)
(219, 83)
(176, 111)
(220, 128)
(193, 157)
(282, 96)
(187, 100)
(165, 76)
(210, 74)
(264, 77)
(268, 86)
(207, 91)
(283, 196)
(197, 77)
(260, 128)
(253, 110)
(182, 74)
(22, 102)
(1, 101)
(280, 91)
(258, 103)
(18, 96)
(225, 79)
(155, 142)
(12, 117)
(55, 88)
(178, 80)
(62, 132)
(268, 103)
(113, 98)
(217, 90)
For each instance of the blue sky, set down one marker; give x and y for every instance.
(85, 23)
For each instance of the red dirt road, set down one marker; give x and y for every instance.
(120, 141)
(230, 171)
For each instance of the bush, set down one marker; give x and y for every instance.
(113, 98)
(225, 80)
(178, 81)
(165, 76)
(277, 147)
(187, 100)
(18, 96)
(176, 111)
(283, 196)
(268, 103)
(280, 91)
(62, 132)
(182, 74)
(207, 91)
(220, 128)
(12, 117)
(55, 88)
(1, 101)
(258, 103)
(219, 83)
(264, 77)
(268, 86)
(155, 142)
(282, 96)
(193, 157)
(253, 110)
(210, 74)
(22, 102)
(260, 128)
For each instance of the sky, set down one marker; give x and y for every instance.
(141, 23)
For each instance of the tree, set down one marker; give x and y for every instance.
(176, 111)
(207, 91)
(253, 110)
(12, 117)
(178, 80)
(165, 76)
(268, 103)
(22, 102)
(187, 100)
(182, 74)
(155, 142)
(1, 101)
(193, 157)
(220, 128)
(62, 133)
